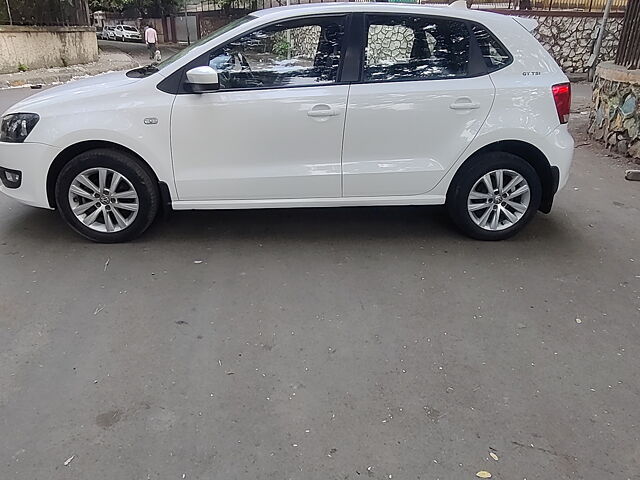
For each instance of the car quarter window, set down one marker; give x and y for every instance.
(298, 52)
(494, 54)
(406, 47)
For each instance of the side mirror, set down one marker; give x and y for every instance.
(203, 79)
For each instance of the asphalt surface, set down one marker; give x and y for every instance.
(138, 50)
(327, 344)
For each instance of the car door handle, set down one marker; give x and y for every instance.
(464, 103)
(322, 110)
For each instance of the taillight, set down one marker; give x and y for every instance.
(562, 98)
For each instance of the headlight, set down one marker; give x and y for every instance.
(17, 126)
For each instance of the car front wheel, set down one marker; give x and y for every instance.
(107, 196)
(495, 196)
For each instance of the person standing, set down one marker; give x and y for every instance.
(151, 38)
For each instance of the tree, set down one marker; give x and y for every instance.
(47, 12)
(143, 8)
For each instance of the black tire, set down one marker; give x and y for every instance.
(467, 177)
(126, 165)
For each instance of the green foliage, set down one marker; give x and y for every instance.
(74, 12)
(22, 67)
(144, 8)
(45, 12)
(281, 46)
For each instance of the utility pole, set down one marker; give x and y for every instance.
(9, 12)
(186, 22)
(592, 63)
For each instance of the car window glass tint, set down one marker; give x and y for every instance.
(404, 47)
(495, 56)
(286, 54)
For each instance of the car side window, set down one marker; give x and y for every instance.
(300, 52)
(494, 54)
(405, 47)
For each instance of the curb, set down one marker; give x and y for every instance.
(60, 75)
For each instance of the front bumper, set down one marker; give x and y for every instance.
(32, 160)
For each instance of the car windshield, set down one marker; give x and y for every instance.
(129, 29)
(204, 40)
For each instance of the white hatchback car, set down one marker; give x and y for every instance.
(306, 106)
(127, 33)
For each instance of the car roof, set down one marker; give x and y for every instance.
(457, 9)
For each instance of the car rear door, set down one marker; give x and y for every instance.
(423, 96)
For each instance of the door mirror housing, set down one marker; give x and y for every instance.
(203, 79)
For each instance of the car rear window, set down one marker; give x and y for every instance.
(407, 47)
(494, 53)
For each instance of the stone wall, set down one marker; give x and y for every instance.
(209, 22)
(43, 47)
(568, 36)
(389, 43)
(615, 116)
(300, 42)
(570, 39)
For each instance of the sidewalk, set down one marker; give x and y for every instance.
(109, 60)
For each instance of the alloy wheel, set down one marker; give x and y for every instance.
(103, 200)
(499, 199)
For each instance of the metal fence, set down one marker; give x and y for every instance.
(628, 54)
(572, 5)
(553, 5)
(44, 12)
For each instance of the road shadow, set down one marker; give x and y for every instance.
(346, 225)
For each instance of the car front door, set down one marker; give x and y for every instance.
(274, 128)
(421, 101)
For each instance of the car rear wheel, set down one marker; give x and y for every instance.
(107, 196)
(495, 196)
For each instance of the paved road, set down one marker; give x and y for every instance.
(138, 50)
(327, 344)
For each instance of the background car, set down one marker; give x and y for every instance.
(107, 33)
(127, 33)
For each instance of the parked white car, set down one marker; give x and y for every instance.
(308, 106)
(127, 33)
(108, 33)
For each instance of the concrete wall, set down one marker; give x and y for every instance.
(42, 47)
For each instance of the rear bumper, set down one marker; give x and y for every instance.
(32, 160)
(560, 153)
